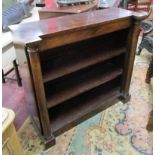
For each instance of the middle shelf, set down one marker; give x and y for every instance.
(67, 87)
(75, 65)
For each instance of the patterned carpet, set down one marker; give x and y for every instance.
(119, 130)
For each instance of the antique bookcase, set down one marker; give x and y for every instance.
(79, 65)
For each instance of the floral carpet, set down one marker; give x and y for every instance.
(119, 130)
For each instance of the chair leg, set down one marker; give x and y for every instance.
(149, 73)
(139, 50)
(17, 73)
(136, 7)
(140, 47)
(3, 79)
(149, 126)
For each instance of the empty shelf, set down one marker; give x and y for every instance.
(79, 108)
(80, 82)
(72, 66)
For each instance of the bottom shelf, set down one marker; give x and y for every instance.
(82, 107)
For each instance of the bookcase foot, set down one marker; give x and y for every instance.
(49, 142)
(125, 98)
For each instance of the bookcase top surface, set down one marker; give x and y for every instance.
(33, 32)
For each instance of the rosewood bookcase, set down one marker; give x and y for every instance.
(79, 65)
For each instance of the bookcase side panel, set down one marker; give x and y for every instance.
(129, 59)
(36, 76)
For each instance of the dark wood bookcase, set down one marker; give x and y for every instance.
(79, 65)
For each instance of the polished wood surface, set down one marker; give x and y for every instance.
(78, 64)
(39, 91)
(100, 98)
(53, 73)
(79, 83)
(130, 56)
(38, 30)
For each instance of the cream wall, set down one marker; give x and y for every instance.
(7, 42)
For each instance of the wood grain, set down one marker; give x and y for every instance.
(73, 85)
(69, 61)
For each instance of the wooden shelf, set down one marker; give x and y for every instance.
(80, 82)
(69, 68)
(68, 114)
(68, 59)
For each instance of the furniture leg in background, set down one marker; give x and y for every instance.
(149, 73)
(149, 126)
(17, 73)
(18, 78)
(3, 79)
(147, 41)
(9, 59)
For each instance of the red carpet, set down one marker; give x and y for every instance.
(13, 97)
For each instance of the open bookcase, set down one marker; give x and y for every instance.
(79, 65)
(79, 77)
